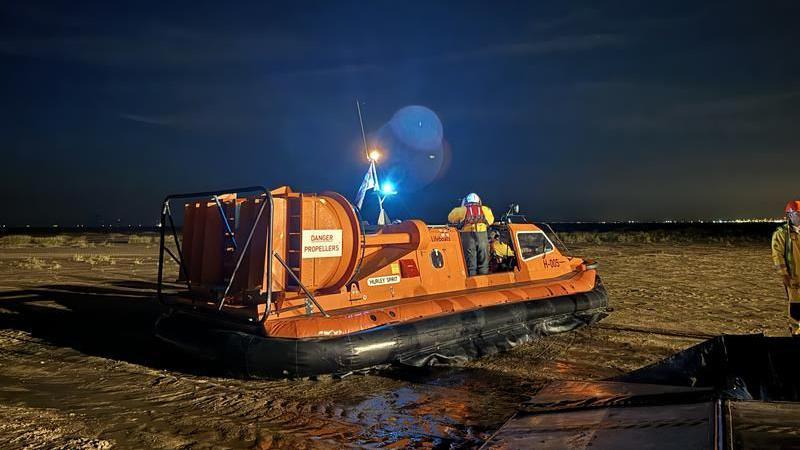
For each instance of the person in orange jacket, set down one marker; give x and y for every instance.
(472, 220)
(786, 256)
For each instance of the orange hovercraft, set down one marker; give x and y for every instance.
(280, 284)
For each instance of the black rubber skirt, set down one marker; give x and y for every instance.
(441, 340)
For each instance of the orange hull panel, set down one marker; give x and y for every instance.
(374, 315)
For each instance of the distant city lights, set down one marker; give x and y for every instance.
(679, 221)
(387, 188)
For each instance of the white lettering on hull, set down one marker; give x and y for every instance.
(322, 243)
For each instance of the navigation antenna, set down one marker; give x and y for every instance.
(363, 135)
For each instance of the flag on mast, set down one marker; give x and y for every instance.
(370, 182)
(383, 218)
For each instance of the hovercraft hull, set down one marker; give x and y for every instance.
(440, 340)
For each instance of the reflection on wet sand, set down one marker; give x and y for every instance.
(64, 350)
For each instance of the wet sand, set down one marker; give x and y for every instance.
(79, 367)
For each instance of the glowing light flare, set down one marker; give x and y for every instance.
(388, 188)
(374, 155)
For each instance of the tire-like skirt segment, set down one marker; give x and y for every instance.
(441, 340)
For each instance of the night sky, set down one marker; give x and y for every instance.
(629, 110)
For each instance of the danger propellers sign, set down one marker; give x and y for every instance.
(322, 243)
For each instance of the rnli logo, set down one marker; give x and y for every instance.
(442, 236)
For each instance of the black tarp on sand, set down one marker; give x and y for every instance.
(729, 392)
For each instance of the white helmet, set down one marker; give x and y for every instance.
(471, 198)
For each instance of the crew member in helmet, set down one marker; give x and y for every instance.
(786, 256)
(472, 220)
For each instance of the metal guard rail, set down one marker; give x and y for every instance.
(166, 215)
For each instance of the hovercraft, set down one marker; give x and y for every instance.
(279, 284)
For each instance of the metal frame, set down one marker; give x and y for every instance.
(225, 221)
(309, 296)
(563, 247)
(166, 215)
